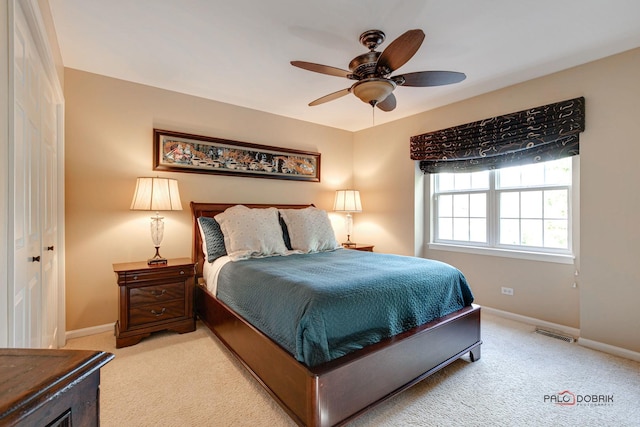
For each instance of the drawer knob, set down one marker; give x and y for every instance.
(181, 271)
(135, 277)
(35, 259)
(156, 293)
(155, 313)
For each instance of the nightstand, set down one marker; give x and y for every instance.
(154, 298)
(360, 247)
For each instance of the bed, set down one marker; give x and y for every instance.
(338, 390)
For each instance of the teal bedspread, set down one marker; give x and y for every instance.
(322, 306)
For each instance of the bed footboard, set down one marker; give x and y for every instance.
(337, 391)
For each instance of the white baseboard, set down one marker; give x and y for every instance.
(611, 349)
(89, 331)
(594, 345)
(533, 321)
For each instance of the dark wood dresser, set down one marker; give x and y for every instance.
(50, 387)
(154, 298)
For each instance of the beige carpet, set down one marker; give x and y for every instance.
(191, 380)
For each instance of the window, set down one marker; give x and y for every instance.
(522, 208)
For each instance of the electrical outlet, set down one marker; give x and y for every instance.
(507, 291)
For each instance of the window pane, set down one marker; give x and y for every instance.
(462, 181)
(480, 180)
(510, 205)
(531, 204)
(531, 232)
(556, 234)
(555, 204)
(533, 175)
(444, 181)
(558, 172)
(461, 205)
(445, 205)
(461, 229)
(478, 205)
(445, 228)
(478, 230)
(509, 177)
(509, 232)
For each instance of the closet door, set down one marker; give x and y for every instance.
(34, 286)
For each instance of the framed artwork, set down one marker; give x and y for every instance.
(182, 152)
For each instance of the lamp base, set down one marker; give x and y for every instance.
(348, 243)
(157, 259)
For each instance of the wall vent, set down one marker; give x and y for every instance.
(556, 335)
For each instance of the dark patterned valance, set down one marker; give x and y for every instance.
(535, 135)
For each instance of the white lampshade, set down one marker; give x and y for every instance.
(347, 201)
(156, 194)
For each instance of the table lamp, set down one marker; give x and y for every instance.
(348, 201)
(156, 194)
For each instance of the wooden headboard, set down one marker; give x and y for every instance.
(211, 210)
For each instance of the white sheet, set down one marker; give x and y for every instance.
(211, 271)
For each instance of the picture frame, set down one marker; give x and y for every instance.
(183, 152)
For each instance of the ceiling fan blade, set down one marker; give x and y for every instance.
(399, 52)
(322, 69)
(330, 97)
(430, 78)
(388, 104)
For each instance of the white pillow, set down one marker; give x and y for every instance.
(310, 229)
(251, 233)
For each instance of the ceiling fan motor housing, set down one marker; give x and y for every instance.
(363, 66)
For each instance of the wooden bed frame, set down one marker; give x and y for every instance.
(342, 389)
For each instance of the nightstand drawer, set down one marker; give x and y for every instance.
(133, 277)
(156, 312)
(157, 294)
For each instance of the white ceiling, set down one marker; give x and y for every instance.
(238, 52)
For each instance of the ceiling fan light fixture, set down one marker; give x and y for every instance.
(373, 90)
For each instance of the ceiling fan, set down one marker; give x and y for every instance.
(372, 70)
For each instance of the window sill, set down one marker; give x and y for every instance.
(531, 256)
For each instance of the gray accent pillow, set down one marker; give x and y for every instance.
(213, 239)
(285, 232)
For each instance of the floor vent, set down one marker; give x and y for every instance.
(556, 335)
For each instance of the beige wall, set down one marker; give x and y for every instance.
(604, 304)
(109, 130)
